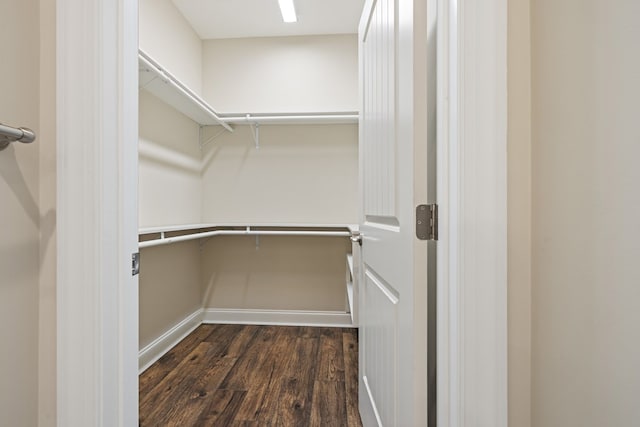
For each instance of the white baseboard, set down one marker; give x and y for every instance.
(278, 317)
(160, 346)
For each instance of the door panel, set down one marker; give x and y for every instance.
(380, 338)
(393, 151)
(393, 306)
(378, 126)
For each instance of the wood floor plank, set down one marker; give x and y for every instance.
(245, 423)
(261, 401)
(249, 376)
(156, 372)
(283, 354)
(158, 395)
(231, 340)
(191, 398)
(222, 408)
(296, 388)
(329, 405)
(350, 351)
(238, 346)
(183, 399)
(330, 357)
(250, 368)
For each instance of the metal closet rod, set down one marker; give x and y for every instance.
(9, 134)
(247, 232)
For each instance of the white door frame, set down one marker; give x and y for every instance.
(97, 90)
(97, 134)
(472, 195)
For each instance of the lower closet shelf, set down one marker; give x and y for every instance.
(201, 231)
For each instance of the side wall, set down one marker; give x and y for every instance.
(170, 287)
(586, 205)
(281, 74)
(167, 37)
(170, 186)
(170, 166)
(170, 192)
(19, 217)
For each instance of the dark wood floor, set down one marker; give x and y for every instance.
(236, 375)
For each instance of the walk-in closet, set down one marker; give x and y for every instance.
(248, 193)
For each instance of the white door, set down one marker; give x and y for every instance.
(393, 165)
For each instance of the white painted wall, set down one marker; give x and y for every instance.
(167, 37)
(282, 273)
(19, 217)
(586, 205)
(300, 174)
(281, 74)
(170, 185)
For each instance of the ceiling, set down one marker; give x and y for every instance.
(218, 19)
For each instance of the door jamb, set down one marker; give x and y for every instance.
(97, 134)
(472, 197)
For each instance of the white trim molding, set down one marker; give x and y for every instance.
(97, 297)
(472, 192)
(165, 342)
(278, 317)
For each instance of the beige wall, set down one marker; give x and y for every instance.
(281, 74)
(300, 174)
(47, 202)
(282, 273)
(170, 40)
(519, 213)
(170, 287)
(170, 186)
(586, 206)
(19, 217)
(170, 193)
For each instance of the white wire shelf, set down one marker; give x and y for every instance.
(201, 231)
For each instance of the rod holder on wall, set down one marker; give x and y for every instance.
(255, 131)
(10, 134)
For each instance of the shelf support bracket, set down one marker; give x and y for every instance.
(255, 131)
(210, 139)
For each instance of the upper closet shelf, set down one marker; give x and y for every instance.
(168, 88)
(333, 118)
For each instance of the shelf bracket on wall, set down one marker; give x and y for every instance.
(210, 139)
(255, 131)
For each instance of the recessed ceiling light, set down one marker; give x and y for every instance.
(288, 11)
